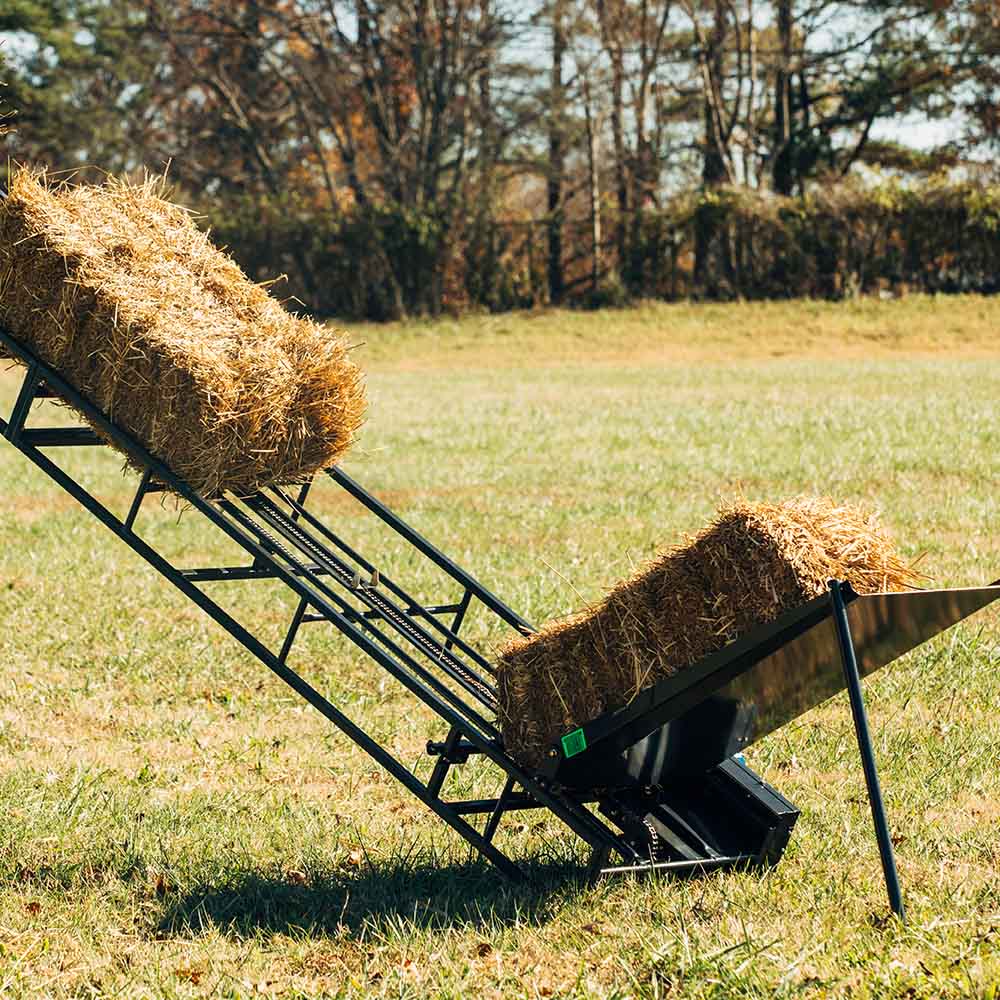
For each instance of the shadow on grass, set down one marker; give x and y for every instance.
(251, 903)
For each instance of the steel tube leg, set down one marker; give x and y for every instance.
(853, 677)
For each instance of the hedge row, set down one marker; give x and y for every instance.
(837, 242)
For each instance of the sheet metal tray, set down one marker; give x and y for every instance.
(686, 724)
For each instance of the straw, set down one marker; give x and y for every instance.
(751, 564)
(129, 301)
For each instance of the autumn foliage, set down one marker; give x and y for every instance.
(398, 157)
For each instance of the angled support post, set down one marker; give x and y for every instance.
(444, 762)
(503, 801)
(140, 495)
(599, 857)
(22, 405)
(853, 678)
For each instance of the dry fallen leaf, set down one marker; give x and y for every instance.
(189, 973)
(163, 886)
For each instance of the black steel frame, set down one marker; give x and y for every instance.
(419, 646)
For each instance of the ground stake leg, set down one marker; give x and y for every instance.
(853, 677)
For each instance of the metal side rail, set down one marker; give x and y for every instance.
(418, 645)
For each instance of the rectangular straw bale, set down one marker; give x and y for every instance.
(129, 301)
(752, 563)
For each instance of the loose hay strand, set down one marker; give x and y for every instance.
(754, 561)
(119, 291)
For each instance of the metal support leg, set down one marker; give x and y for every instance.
(22, 405)
(853, 677)
(443, 762)
(302, 497)
(140, 495)
(456, 624)
(599, 858)
(501, 807)
(293, 630)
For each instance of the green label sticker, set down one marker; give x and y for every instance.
(574, 743)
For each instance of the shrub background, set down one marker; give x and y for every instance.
(731, 243)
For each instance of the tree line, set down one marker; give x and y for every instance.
(413, 156)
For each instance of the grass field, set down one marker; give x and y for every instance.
(174, 823)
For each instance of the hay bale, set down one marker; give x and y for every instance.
(752, 563)
(119, 291)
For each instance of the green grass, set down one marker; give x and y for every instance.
(174, 823)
